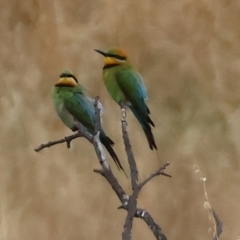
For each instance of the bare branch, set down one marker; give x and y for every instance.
(98, 120)
(132, 209)
(132, 206)
(108, 175)
(128, 148)
(106, 171)
(124, 198)
(155, 228)
(157, 173)
(67, 140)
(128, 203)
(96, 141)
(82, 132)
(100, 152)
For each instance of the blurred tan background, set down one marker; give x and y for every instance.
(189, 54)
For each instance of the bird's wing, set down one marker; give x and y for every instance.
(81, 107)
(132, 85)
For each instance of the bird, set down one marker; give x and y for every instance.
(126, 86)
(72, 103)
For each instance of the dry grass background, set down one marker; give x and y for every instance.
(188, 52)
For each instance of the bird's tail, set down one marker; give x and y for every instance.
(108, 143)
(146, 123)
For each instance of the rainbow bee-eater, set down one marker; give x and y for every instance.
(126, 87)
(73, 104)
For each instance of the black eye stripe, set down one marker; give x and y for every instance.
(116, 56)
(68, 75)
(75, 78)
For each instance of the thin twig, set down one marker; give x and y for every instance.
(82, 132)
(67, 140)
(157, 173)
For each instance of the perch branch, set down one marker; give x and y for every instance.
(82, 132)
(96, 141)
(128, 203)
(67, 140)
(132, 208)
(128, 148)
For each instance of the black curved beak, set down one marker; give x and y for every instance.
(101, 52)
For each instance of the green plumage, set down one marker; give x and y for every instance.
(73, 104)
(126, 86)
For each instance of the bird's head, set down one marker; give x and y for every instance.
(113, 57)
(67, 79)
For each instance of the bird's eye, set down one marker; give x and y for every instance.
(119, 57)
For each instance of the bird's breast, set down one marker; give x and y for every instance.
(113, 87)
(65, 116)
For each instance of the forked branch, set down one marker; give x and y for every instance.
(129, 203)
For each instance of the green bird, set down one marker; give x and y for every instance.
(126, 87)
(73, 104)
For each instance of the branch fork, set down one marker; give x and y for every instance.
(129, 203)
